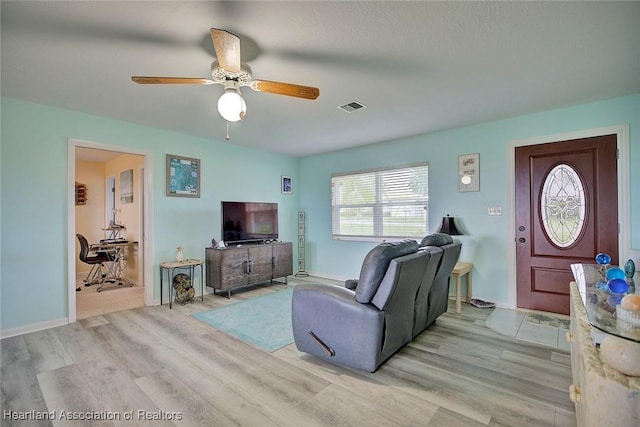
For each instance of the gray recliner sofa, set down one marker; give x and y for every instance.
(361, 328)
(438, 299)
(367, 321)
(433, 256)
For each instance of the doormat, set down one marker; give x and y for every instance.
(548, 320)
(264, 321)
(482, 304)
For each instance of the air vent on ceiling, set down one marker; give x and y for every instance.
(351, 107)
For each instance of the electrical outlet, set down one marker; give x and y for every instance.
(494, 210)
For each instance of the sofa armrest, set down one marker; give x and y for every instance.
(350, 331)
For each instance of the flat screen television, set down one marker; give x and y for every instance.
(249, 221)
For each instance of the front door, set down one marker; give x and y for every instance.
(566, 212)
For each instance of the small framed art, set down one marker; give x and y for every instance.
(126, 186)
(183, 176)
(469, 172)
(286, 184)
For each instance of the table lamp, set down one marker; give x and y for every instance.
(448, 226)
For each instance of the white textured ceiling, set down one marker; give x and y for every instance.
(417, 66)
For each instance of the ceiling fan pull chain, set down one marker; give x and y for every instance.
(228, 137)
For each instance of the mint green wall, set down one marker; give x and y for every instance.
(33, 278)
(486, 244)
(33, 180)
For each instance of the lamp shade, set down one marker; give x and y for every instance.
(231, 106)
(448, 226)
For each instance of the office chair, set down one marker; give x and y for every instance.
(97, 274)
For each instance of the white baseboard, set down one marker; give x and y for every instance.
(7, 333)
(506, 305)
(328, 276)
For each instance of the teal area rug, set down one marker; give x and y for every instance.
(263, 321)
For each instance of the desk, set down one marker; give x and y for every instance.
(458, 271)
(170, 266)
(116, 267)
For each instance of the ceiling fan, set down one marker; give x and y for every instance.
(229, 72)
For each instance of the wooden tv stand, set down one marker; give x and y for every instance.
(247, 264)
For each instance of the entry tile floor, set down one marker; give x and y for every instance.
(514, 323)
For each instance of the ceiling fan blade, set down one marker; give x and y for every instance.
(146, 80)
(287, 89)
(227, 47)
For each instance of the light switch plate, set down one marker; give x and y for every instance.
(494, 210)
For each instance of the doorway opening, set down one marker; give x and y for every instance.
(114, 221)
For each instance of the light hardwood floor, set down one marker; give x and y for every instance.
(165, 362)
(91, 303)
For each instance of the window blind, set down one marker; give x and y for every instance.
(381, 204)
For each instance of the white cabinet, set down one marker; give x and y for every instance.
(602, 395)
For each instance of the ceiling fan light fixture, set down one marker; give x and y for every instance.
(228, 70)
(231, 106)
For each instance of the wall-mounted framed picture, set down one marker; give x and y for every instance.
(469, 172)
(183, 176)
(286, 184)
(126, 186)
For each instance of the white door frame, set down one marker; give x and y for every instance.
(142, 247)
(147, 236)
(624, 238)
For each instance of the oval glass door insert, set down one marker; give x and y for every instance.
(562, 205)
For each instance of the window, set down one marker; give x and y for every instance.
(563, 205)
(381, 204)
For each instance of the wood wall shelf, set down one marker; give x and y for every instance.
(81, 194)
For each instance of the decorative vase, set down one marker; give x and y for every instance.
(179, 254)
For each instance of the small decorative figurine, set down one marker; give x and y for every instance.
(615, 273)
(179, 254)
(214, 243)
(618, 286)
(629, 271)
(603, 260)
